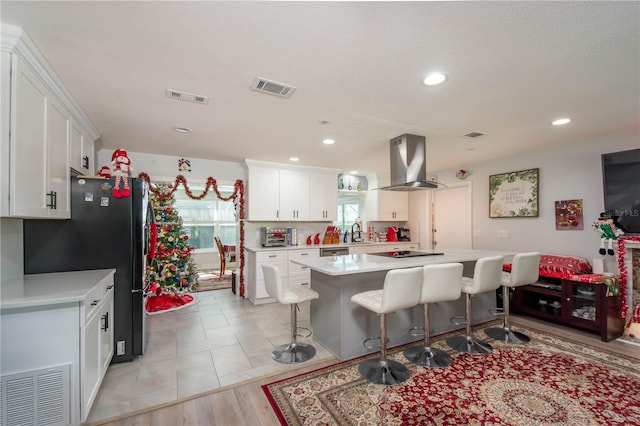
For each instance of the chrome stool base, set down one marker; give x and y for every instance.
(293, 353)
(428, 357)
(506, 335)
(388, 372)
(468, 344)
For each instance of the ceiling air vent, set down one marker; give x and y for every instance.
(189, 97)
(273, 87)
(474, 134)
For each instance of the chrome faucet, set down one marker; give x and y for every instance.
(355, 228)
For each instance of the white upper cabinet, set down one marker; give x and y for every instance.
(37, 173)
(387, 205)
(37, 115)
(294, 195)
(283, 193)
(323, 203)
(59, 124)
(82, 151)
(263, 193)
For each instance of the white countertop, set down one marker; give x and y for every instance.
(50, 289)
(320, 246)
(360, 263)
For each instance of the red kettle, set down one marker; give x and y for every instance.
(392, 234)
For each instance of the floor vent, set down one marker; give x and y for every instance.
(272, 87)
(39, 397)
(188, 97)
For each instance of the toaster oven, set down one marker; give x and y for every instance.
(273, 237)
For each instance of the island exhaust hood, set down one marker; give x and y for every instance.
(408, 164)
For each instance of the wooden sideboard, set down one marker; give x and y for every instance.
(585, 306)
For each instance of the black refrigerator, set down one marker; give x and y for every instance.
(103, 232)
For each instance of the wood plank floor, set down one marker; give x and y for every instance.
(246, 405)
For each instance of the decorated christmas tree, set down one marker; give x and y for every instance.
(171, 269)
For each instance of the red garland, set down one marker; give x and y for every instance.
(623, 272)
(153, 240)
(237, 196)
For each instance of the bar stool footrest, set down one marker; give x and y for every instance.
(416, 331)
(458, 321)
(307, 331)
(368, 346)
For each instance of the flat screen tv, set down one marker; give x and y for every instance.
(621, 184)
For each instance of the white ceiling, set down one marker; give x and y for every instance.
(512, 66)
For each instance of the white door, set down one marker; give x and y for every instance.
(452, 217)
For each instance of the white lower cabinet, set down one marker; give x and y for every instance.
(300, 275)
(57, 342)
(96, 346)
(292, 274)
(256, 291)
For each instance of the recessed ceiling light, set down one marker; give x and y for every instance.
(293, 159)
(561, 121)
(328, 141)
(353, 172)
(434, 79)
(182, 129)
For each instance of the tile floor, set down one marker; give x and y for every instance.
(219, 341)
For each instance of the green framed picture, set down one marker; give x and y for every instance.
(514, 194)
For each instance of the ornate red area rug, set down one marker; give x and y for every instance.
(549, 381)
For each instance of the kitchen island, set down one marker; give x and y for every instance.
(341, 326)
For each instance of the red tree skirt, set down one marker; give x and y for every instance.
(168, 302)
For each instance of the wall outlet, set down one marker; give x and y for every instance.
(120, 347)
(503, 234)
(476, 234)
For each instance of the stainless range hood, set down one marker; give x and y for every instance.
(408, 164)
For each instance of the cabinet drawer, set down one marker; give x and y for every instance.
(281, 265)
(271, 256)
(91, 304)
(299, 282)
(304, 254)
(298, 270)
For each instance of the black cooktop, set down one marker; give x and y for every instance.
(405, 253)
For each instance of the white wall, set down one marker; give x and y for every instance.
(567, 172)
(164, 166)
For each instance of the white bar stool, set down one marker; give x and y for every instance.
(293, 352)
(441, 283)
(486, 277)
(525, 270)
(401, 290)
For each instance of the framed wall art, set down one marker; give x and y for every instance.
(569, 215)
(514, 194)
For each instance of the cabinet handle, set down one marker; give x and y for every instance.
(53, 200)
(273, 255)
(568, 299)
(95, 302)
(304, 254)
(105, 324)
(85, 162)
(110, 287)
